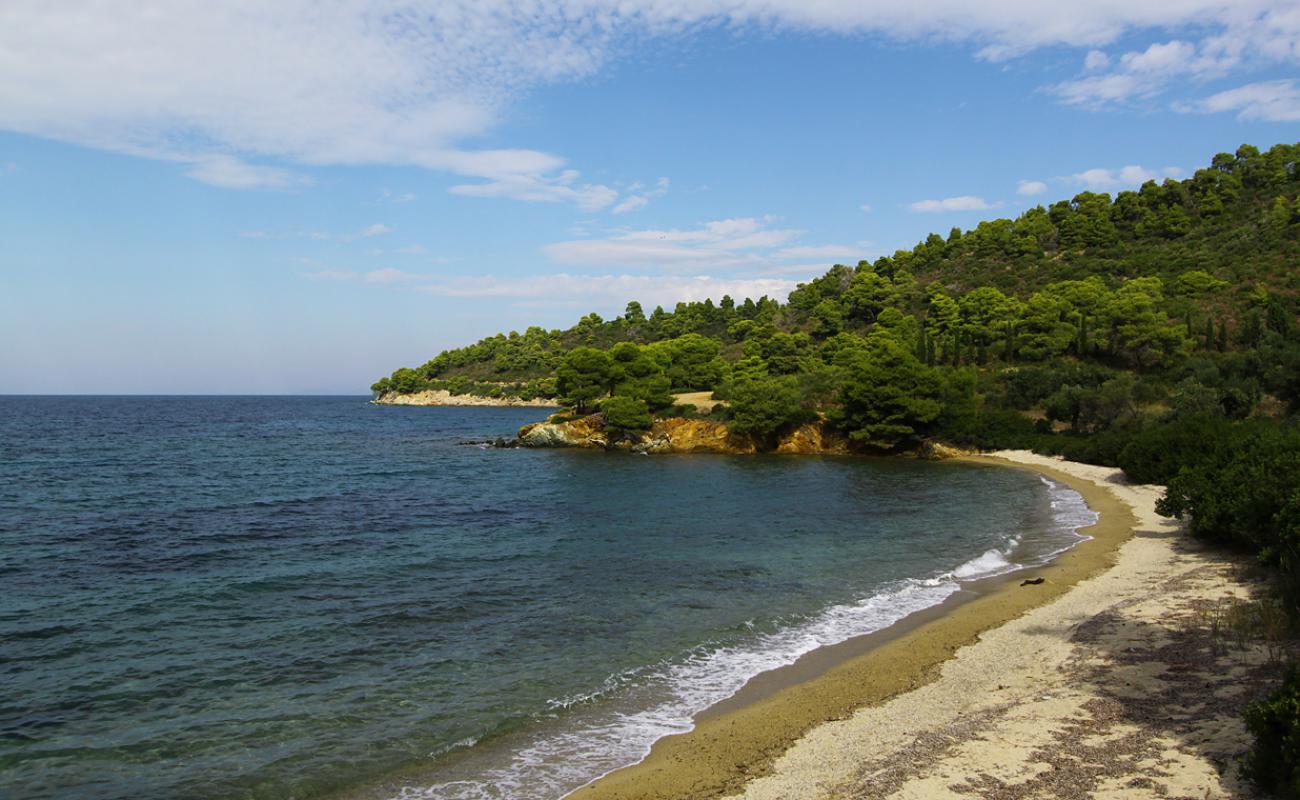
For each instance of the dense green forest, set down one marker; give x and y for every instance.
(1075, 319)
(1155, 330)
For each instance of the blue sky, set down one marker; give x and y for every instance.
(226, 198)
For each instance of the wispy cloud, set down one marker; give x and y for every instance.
(828, 252)
(535, 187)
(1252, 36)
(637, 198)
(234, 173)
(754, 247)
(964, 203)
(866, 208)
(247, 94)
(723, 243)
(1030, 188)
(378, 229)
(618, 288)
(1101, 179)
(1272, 101)
(389, 196)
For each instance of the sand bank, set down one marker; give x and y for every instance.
(1103, 681)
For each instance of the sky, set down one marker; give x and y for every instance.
(233, 196)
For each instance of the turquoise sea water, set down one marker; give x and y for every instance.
(303, 597)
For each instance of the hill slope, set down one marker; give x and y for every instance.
(1174, 298)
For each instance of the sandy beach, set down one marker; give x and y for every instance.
(1111, 678)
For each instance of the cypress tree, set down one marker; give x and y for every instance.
(1223, 336)
(1209, 333)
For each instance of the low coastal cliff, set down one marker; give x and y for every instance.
(678, 435)
(442, 397)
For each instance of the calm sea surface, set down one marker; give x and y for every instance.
(293, 597)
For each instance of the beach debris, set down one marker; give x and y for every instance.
(1032, 581)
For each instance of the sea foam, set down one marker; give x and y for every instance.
(592, 734)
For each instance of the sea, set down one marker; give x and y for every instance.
(315, 597)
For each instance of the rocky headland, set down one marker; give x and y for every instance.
(680, 435)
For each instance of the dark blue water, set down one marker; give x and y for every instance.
(294, 597)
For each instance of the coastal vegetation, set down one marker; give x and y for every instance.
(1155, 330)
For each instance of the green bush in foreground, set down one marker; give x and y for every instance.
(1274, 763)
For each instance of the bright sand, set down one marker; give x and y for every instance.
(1103, 681)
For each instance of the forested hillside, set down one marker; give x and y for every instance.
(1178, 298)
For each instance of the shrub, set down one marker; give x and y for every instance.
(1155, 454)
(625, 413)
(763, 406)
(989, 428)
(1274, 762)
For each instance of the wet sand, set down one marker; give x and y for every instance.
(1004, 691)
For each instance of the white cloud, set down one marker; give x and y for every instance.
(963, 203)
(867, 208)
(233, 173)
(630, 203)
(750, 244)
(534, 187)
(389, 196)
(1244, 36)
(378, 229)
(648, 289)
(635, 201)
(829, 252)
(1101, 179)
(1272, 101)
(1096, 60)
(1030, 188)
(225, 86)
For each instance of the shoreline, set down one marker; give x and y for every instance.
(435, 398)
(762, 740)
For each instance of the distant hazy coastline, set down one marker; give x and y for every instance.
(442, 397)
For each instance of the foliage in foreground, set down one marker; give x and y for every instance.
(1243, 490)
(1274, 764)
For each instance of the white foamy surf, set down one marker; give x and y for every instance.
(584, 739)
